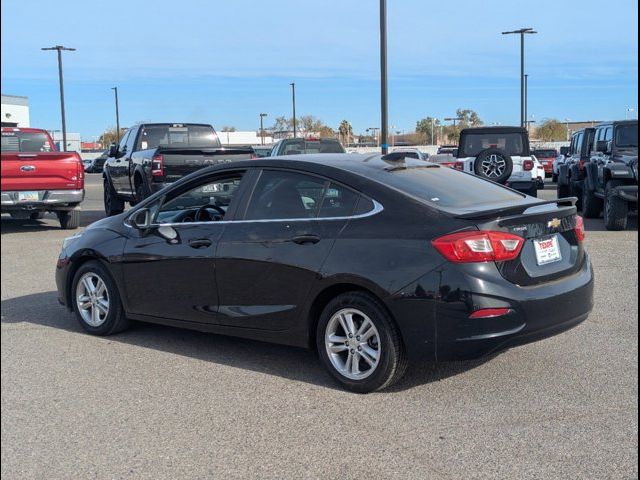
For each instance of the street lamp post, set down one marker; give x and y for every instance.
(526, 97)
(522, 32)
(566, 121)
(115, 90)
(262, 115)
(293, 101)
(384, 112)
(59, 49)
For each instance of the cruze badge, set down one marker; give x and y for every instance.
(555, 223)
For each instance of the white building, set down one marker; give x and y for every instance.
(73, 140)
(15, 111)
(242, 138)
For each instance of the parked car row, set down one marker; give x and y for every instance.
(601, 170)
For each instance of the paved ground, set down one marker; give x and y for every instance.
(157, 402)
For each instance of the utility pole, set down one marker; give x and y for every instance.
(384, 112)
(522, 32)
(262, 115)
(293, 97)
(59, 49)
(115, 90)
(526, 99)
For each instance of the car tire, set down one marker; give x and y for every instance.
(142, 192)
(101, 313)
(340, 336)
(479, 166)
(69, 220)
(591, 205)
(616, 209)
(112, 204)
(575, 190)
(563, 191)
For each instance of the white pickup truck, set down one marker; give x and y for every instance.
(499, 154)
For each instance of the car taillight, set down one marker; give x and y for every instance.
(527, 165)
(479, 246)
(580, 231)
(157, 166)
(581, 165)
(459, 166)
(79, 175)
(253, 156)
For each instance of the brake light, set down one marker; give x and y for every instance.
(527, 165)
(491, 313)
(479, 246)
(580, 231)
(157, 166)
(79, 174)
(253, 156)
(459, 166)
(581, 164)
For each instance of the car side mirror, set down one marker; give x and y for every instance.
(603, 146)
(141, 220)
(564, 151)
(113, 150)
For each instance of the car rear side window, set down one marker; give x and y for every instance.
(291, 195)
(446, 187)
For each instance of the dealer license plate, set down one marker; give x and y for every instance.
(547, 250)
(27, 196)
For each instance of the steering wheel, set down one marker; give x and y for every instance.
(203, 209)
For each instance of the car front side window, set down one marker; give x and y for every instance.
(208, 201)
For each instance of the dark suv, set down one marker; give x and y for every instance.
(571, 173)
(611, 175)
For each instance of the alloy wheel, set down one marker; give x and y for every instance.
(353, 344)
(92, 299)
(494, 166)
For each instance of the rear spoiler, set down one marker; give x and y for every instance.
(515, 209)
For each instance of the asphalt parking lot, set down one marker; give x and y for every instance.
(158, 402)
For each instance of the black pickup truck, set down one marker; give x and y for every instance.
(611, 175)
(571, 173)
(153, 155)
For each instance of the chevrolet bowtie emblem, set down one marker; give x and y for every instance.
(555, 223)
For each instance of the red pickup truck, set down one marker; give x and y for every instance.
(36, 178)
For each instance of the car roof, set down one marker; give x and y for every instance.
(23, 129)
(481, 130)
(618, 122)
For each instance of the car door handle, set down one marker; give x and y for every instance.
(305, 238)
(200, 243)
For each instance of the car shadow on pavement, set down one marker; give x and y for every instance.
(297, 364)
(47, 223)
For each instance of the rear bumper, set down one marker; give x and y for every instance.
(433, 313)
(47, 200)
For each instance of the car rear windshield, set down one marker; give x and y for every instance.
(510, 143)
(627, 135)
(545, 153)
(449, 188)
(25, 142)
(177, 136)
(312, 146)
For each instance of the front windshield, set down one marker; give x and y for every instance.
(25, 142)
(510, 143)
(627, 135)
(296, 147)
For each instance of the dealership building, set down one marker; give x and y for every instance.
(15, 111)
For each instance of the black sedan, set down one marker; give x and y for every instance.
(372, 262)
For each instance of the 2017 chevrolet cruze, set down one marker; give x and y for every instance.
(371, 262)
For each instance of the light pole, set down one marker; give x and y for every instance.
(293, 101)
(383, 77)
(526, 97)
(115, 90)
(566, 121)
(522, 32)
(59, 49)
(433, 120)
(374, 131)
(453, 119)
(262, 115)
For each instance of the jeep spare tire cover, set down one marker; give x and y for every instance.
(494, 164)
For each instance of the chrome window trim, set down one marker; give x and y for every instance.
(377, 208)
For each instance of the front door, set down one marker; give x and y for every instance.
(170, 272)
(268, 261)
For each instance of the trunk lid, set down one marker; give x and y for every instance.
(552, 249)
(41, 171)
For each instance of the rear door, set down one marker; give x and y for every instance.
(268, 261)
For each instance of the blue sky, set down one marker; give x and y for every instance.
(224, 62)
